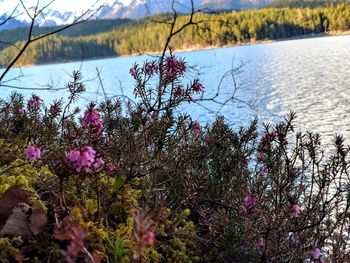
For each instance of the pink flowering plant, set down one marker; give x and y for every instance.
(32, 153)
(34, 102)
(136, 182)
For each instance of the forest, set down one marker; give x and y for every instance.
(125, 37)
(82, 29)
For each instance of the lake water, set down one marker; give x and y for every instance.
(308, 76)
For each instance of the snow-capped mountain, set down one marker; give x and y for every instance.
(234, 4)
(141, 8)
(10, 24)
(65, 11)
(58, 12)
(51, 17)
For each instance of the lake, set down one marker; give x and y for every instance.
(309, 76)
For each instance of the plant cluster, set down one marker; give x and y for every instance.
(141, 183)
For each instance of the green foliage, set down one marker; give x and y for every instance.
(305, 3)
(9, 251)
(79, 30)
(118, 252)
(181, 236)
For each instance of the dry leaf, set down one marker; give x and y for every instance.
(9, 200)
(17, 216)
(18, 222)
(98, 258)
(24, 221)
(70, 230)
(38, 220)
(63, 230)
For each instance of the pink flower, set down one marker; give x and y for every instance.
(266, 140)
(20, 111)
(296, 210)
(316, 253)
(91, 115)
(191, 100)
(249, 201)
(174, 67)
(34, 102)
(261, 155)
(171, 73)
(32, 153)
(111, 167)
(249, 204)
(87, 158)
(132, 71)
(93, 120)
(150, 68)
(261, 242)
(180, 92)
(74, 159)
(149, 238)
(55, 109)
(264, 170)
(198, 87)
(99, 162)
(197, 127)
(83, 159)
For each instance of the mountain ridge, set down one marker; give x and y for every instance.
(138, 9)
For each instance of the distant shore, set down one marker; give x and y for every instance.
(257, 42)
(198, 48)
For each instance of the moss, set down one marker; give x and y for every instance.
(7, 181)
(9, 249)
(26, 177)
(91, 206)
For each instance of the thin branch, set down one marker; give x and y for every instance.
(11, 16)
(80, 19)
(98, 71)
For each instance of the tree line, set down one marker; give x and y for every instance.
(83, 29)
(150, 34)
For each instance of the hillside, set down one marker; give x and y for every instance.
(217, 30)
(305, 3)
(83, 29)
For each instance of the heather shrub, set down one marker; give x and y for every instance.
(140, 182)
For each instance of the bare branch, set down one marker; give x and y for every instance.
(11, 16)
(88, 14)
(26, 10)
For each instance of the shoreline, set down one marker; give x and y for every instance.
(258, 42)
(198, 48)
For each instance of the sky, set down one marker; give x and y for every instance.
(61, 5)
